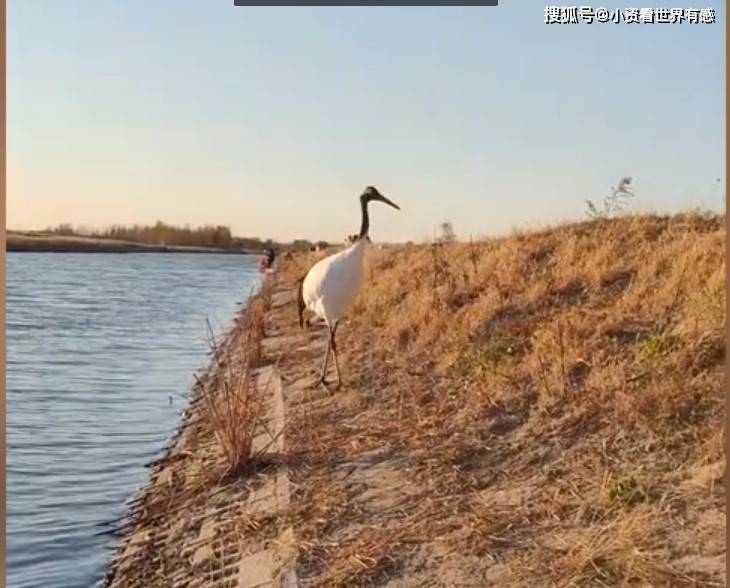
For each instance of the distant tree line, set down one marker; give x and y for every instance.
(215, 236)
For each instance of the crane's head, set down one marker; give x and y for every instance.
(372, 193)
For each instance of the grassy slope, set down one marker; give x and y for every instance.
(564, 391)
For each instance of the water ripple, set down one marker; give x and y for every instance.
(100, 346)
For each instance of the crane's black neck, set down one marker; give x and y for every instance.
(365, 225)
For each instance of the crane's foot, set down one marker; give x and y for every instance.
(319, 382)
(328, 386)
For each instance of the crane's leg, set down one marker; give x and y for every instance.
(322, 377)
(333, 333)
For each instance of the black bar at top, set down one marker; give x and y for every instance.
(363, 3)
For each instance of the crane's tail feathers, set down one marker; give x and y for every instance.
(300, 301)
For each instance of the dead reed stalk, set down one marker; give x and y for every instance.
(232, 400)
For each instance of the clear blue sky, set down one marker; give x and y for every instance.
(273, 120)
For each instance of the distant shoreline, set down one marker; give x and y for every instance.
(40, 243)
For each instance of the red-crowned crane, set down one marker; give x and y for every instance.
(333, 283)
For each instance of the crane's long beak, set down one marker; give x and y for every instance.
(382, 198)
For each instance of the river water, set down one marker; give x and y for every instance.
(101, 351)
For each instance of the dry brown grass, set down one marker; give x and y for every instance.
(576, 371)
(232, 400)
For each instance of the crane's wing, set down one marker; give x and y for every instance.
(333, 282)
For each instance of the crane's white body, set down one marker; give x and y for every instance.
(333, 283)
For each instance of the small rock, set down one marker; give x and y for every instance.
(202, 556)
(708, 475)
(139, 538)
(496, 573)
(714, 566)
(164, 478)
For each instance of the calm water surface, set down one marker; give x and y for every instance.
(101, 349)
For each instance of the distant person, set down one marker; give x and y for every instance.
(270, 255)
(267, 262)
